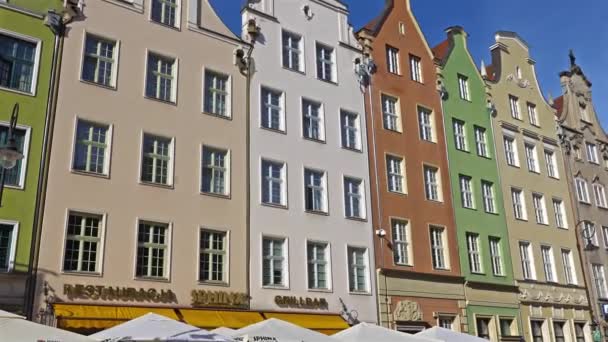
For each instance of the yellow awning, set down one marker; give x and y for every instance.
(326, 324)
(101, 317)
(208, 319)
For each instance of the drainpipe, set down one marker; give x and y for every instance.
(57, 26)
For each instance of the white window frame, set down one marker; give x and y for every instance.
(474, 252)
(426, 124)
(463, 87)
(313, 262)
(306, 114)
(467, 193)
(605, 235)
(322, 59)
(177, 19)
(514, 106)
(511, 152)
(174, 76)
(108, 147)
(356, 268)
(395, 181)
(592, 155)
(590, 226)
(170, 164)
(393, 60)
(36, 67)
(432, 186)
(548, 263)
(540, 209)
(216, 93)
(531, 157)
(481, 142)
(599, 192)
(227, 170)
(266, 108)
(346, 129)
(114, 60)
(439, 250)
(489, 201)
(416, 69)
(349, 196)
(167, 257)
(460, 135)
(560, 213)
(582, 190)
(225, 253)
(569, 271)
(299, 52)
(26, 153)
(391, 120)
(526, 254)
(519, 204)
(284, 258)
(533, 114)
(496, 256)
(322, 188)
(599, 280)
(282, 181)
(12, 245)
(100, 241)
(402, 241)
(550, 160)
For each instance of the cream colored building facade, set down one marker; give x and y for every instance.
(542, 227)
(146, 199)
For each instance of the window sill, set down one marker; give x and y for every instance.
(469, 208)
(126, 5)
(534, 172)
(542, 224)
(98, 85)
(398, 193)
(441, 269)
(213, 283)
(219, 116)
(491, 213)
(275, 206)
(320, 141)
(177, 19)
(417, 81)
(521, 219)
(157, 185)
(434, 201)
(358, 219)
(90, 174)
(276, 287)
(83, 274)
(396, 74)
(359, 293)
(562, 228)
(466, 100)
(478, 273)
(274, 130)
(535, 125)
(168, 102)
(15, 187)
(553, 177)
(463, 150)
(403, 265)
(391, 130)
(211, 194)
(334, 83)
(153, 280)
(321, 290)
(515, 166)
(428, 141)
(316, 212)
(20, 92)
(299, 72)
(585, 203)
(356, 150)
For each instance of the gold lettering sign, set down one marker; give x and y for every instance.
(301, 302)
(205, 299)
(110, 293)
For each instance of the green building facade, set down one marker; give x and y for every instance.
(27, 46)
(491, 295)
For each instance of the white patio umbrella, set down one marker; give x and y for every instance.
(153, 327)
(223, 331)
(364, 332)
(443, 334)
(275, 330)
(16, 328)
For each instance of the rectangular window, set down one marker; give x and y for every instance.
(506, 327)
(395, 176)
(161, 77)
(91, 148)
(217, 94)
(519, 204)
(511, 151)
(274, 183)
(354, 202)
(312, 118)
(401, 242)
(590, 233)
(16, 175)
(18, 64)
(579, 332)
(390, 113)
(605, 235)
(569, 271)
(540, 211)
(599, 279)
(496, 256)
(514, 105)
(446, 322)
(438, 251)
(531, 158)
(582, 192)
(431, 183)
(392, 60)
(274, 266)
(592, 153)
(82, 243)
(415, 68)
(463, 87)
(537, 331)
(481, 142)
(460, 137)
(560, 214)
(213, 262)
(474, 253)
(272, 114)
(489, 204)
(527, 260)
(425, 120)
(152, 250)
(552, 170)
(326, 63)
(315, 191)
(351, 136)
(600, 195)
(548, 263)
(558, 330)
(318, 266)
(99, 62)
(8, 240)
(215, 171)
(357, 270)
(157, 166)
(292, 51)
(165, 12)
(466, 192)
(483, 328)
(532, 115)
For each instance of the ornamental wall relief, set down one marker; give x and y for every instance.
(552, 296)
(408, 311)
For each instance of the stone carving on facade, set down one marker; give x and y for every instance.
(523, 294)
(520, 82)
(407, 311)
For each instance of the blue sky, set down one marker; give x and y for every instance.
(550, 27)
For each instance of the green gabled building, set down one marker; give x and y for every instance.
(28, 57)
(491, 295)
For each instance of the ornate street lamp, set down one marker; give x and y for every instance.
(9, 152)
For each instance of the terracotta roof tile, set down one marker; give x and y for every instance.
(491, 72)
(374, 25)
(441, 50)
(558, 104)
